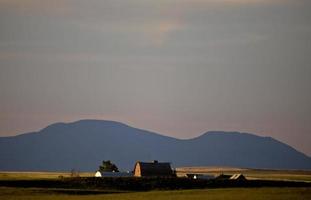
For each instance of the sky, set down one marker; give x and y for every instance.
(176, 67)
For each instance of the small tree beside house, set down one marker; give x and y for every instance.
(108, 166)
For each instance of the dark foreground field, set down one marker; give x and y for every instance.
(145, 184)
(36, 185)
(209, 194)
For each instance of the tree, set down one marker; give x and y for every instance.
(108, 166)
(74, 173)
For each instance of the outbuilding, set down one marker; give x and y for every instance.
(238, 177)
(200, 176)
(113, 174)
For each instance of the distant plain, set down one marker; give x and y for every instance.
(263, 174)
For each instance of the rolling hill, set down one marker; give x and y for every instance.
(82, 145)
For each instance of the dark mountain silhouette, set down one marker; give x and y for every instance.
(84, 144)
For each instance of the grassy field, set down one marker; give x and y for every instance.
(291, 175)
(294, 175)
(212, 194)
(38, 175)
(72, 193)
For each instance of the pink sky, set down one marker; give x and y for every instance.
(177, 67)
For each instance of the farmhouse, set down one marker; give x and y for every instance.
(155, 169)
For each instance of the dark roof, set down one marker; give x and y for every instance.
(231, 177)
(155, 168)
(223, 177)
(238, 177)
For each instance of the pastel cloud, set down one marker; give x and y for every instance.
(178, 67)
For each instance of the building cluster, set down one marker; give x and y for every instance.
(163, 169)
(143, 169)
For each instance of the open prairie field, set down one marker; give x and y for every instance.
(212, 194)
(291, 175)
(56, 187)
(38, 175)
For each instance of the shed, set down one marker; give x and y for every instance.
(223, 177)
(238, 177)
(98, 174)
(113, 174)
(155, 169)
(200, 176)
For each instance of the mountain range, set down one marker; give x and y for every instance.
(83, 145)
